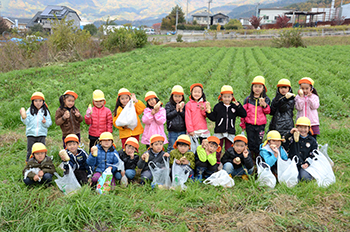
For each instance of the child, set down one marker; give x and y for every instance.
(270, 150)
(282, 107)
(224, 115)
(307, 103)
(77, 159)
(257, 107)
(124, 96)
(68, 116)
(39, 168)
(105, 157)
(301, 144)
(206, 157)
(183, 155)
(195, 113)
(237, 160)
(37, 119)
(154, 117)
(155, 153)
(99, 117)
(129, 156)
(175, 115)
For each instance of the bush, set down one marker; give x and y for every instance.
(122, 40)
(91, 28)
(289, 38)
(179, 38)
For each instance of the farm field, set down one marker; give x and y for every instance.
(245, 207)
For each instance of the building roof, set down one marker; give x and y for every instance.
(303, 13)
(201, 14)
(20, 20)
(275, 8)
(221, 14)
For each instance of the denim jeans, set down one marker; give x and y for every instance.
(47, 178)
(228, 167)
(130, 174)
(172, 136)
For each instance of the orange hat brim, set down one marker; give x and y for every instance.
(240, 138)
(74, 94)
(71, 139)
(304, 81)
(42, 150)
(181, 141)
(150, 97)
(178, 93)
(37, 97)
(157, 138)
(196, 84)
(136, 145)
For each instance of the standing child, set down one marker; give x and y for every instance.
(39, 168)
(206, 157)
(301, 143)
(98, 117)
(237, 160)
(183, 155)
(195, 113)
(129, 156)
(282, 107)
(307, 103)
(124, 96)
(76, 159)
(257, 107)
(154, 117)
(155, 153)
(104, 156)
(37, 119)
(224, 115)
(175, 115)
(68, 116)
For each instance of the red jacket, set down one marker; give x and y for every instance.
(100, 121)
(195, 117)
(256, 115)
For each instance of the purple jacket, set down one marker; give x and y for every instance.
(154, 124)
(307, 107)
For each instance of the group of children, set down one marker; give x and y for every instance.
(185, 123)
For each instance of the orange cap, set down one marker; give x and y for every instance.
(37, 95)
(71, 138)
(70, 92)
(150, 95)
(196, 84)
(240, 138)
(215, 140)
(155, 138)
(133, 142)
(182, 139)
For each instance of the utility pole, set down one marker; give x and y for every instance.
(0, 8)
(177, 17)
(257, 10)
(187, 13)
(210, 1)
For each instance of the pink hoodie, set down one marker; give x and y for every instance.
(307, 107)
(154, 124)
(195, 117)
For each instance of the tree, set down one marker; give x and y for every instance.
(233, 24)
(255, 21)
(282, 21)
(37, 28)
(156, 27)
(168, 23)
(3, 26)
(91, 28)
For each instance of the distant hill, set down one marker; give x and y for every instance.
(307, 5)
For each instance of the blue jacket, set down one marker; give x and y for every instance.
(78, 161)
(268, 155)
(103, 160)
(34, 125)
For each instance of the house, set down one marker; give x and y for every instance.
(202, 17)
(20, 23)
(345, 11)
(44, 17)
(245, 22)
(269, 15)
(219, 18)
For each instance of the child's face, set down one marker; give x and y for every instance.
(39, 156)
(72, 147)
(227, 98)
(183, 148)
(124, 99)
(304, 130)
(129, 150)
(99, 104)
(106, 143)
(197, 93)
(157, 146)
(69, 101)
(152, 102)
(239, 146)
(283, 90)
(38, 103)
(276, 143)
(177, 98)
(306, 88)
(258, 89)
(212, 147)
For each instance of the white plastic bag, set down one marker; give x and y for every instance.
(128, 116)
(68, 183)
(124, 181)
(160, 173)
(34, 170)
(104, 183)
(180, 175)
(323, 149)
(220, 178)
(287, 171)
(194, 143)
(321, 169)
(265, 176)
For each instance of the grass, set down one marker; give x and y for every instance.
(245, 207)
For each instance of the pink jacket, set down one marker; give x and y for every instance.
(256, 115)
(100, 121)
(195, 117)
(154, 124)
(307, 107)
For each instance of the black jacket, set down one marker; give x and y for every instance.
(231, 154)
(175, 121)
(225, 117)
(128, 163)
(303, 149)
(282, 111)
(157, 160)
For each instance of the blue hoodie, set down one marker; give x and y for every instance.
(268, 155)
(34, 125)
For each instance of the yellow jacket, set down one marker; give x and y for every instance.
(126, 132)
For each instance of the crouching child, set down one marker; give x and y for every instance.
(206, 163)
(129, 157)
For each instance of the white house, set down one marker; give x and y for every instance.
(219, 18)
(346, 11)
(245, 22)
(269, 15)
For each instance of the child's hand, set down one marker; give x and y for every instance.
(66, 114)
(123, 173)
(110, 168)
(22, 112)
(178, 162)
(36, 178)
(245, 153)
(41, 173)
(166, 154)
(274, 149)
(153, 112)
(237, 161)
(262, 102)
(207, 107)
(145, 157)
(293, 130)
(182, 104)
(309, 94)
(185, 161)
(44, 120)
(77, 114)
(305, 166)
(236, 103)
(133, 98)
(94, 151)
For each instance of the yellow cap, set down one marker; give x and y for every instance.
(306, 80)
(226, 89)
(106, 136)
(182, 139)
(70, 138)
(133, 142)
(155, 138)
(274, 135)
(123, 91)
(38, 147)
(259, 80)
(98, 95)
(284, 82)
(150, 95)
(303, 121)
(38, 95)
(177, 89)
